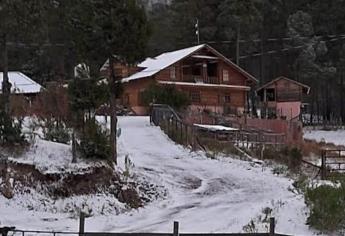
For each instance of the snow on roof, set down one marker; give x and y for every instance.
(21, 84)
(241, 87)
(215, 127)
(154, 65)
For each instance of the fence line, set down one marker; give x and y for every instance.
(168, 120)
(5, 230)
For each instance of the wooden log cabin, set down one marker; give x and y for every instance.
(211, 80)
(281, 98)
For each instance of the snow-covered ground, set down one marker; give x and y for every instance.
(52, 157)
(204, 195)
(336, 137)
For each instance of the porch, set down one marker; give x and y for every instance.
(201, 69)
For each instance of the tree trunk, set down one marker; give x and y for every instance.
(6, 86)
(342, 115)
(113, 117)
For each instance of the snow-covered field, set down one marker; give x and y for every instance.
(204, 195)
(336, 137)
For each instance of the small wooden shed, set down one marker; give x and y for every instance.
(281, 98)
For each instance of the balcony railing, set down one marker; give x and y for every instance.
(212, 80)
(199, 79)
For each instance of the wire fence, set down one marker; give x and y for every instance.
(11, 231)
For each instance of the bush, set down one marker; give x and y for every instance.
(295, 158)
(56, 132)
(165, 95)
(94, 142)
(10, 131)
(292, 157)
(327, 207)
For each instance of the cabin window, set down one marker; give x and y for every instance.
(195, 96)
(173, 72)
(196, 70)
(225, 75)
(270, 95)
(227, 98)
(212, 69)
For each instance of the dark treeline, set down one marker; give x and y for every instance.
(301, 39)
(46, 39)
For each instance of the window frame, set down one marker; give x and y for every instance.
(227, 77)
(195, 96)
(173, 73)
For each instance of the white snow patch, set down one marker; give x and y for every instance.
(216, 127)
(154, 65)
(21, 84)
(336, 137)
(51, 157)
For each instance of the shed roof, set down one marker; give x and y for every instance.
(164, 60)
(284, 78)
(21, 84)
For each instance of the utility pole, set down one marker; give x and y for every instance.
(197, 32)
(262, 65)
(238, 43)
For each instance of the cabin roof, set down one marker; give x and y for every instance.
(21, 84)
(287, 79)
(154, 65)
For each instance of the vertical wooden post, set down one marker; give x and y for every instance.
(176, 226)
(81, 223)
(323, 164)
(272, 226)
(181, 129)
(186, 130)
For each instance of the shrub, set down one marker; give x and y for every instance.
(295, 158)
(165, 95)
(327, 207)
(292, 157)
(56, 132)
(10, 131)
(94, 142)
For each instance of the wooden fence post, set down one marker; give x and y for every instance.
(272, 226)
(176, 226)
(81, 223)
(323, 164)
(181, 130)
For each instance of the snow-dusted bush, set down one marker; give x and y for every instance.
(94, 142)
(10, 131)
(327, 207)
(56, 133)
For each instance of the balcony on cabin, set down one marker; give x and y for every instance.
(201, 69)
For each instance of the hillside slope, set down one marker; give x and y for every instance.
(204, 195)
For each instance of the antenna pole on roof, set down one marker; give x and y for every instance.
(197, 32)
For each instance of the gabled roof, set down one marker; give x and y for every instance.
(284, 78)
(154, 65)
(21, 84)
